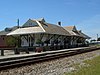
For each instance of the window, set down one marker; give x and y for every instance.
(30, 24)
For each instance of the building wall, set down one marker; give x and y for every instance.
(72, 41)
(2, 41)
(24, 42)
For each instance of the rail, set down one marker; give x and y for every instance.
(30, 58)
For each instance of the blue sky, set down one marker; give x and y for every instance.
(84, 14)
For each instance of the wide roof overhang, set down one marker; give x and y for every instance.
(28, 30)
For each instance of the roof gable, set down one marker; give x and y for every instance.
(30, 23)
(84, 35)
(74, 28)
(41, 19)
(71, 28)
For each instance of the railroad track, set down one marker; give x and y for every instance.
(17, 61)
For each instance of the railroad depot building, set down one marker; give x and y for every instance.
(37, 32)
(4, 37)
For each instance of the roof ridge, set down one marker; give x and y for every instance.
(40, 25)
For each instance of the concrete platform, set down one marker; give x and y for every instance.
(10, 54)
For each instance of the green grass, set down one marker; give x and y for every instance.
(98, 45)
(92, 69)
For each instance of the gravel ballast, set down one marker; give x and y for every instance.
(53, 67)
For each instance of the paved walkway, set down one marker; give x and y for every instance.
(10, 53)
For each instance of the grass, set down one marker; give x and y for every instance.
(92, 69)
(98, 45)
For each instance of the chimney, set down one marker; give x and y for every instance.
(59, 23)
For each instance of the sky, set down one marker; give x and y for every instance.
(84, 14)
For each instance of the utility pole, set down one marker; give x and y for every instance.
(18, 23)
(17, 49)
(97, 38)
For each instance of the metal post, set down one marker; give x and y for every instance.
(16, 51)
(18, 23)
(97, 38)
(2, 52)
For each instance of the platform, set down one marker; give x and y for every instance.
(10, 54)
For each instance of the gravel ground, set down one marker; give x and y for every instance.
(53, 67)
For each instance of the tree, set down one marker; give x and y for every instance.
(92, 40)
(39, 42)
(11, 41)
(98, 39)
(47, 42)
